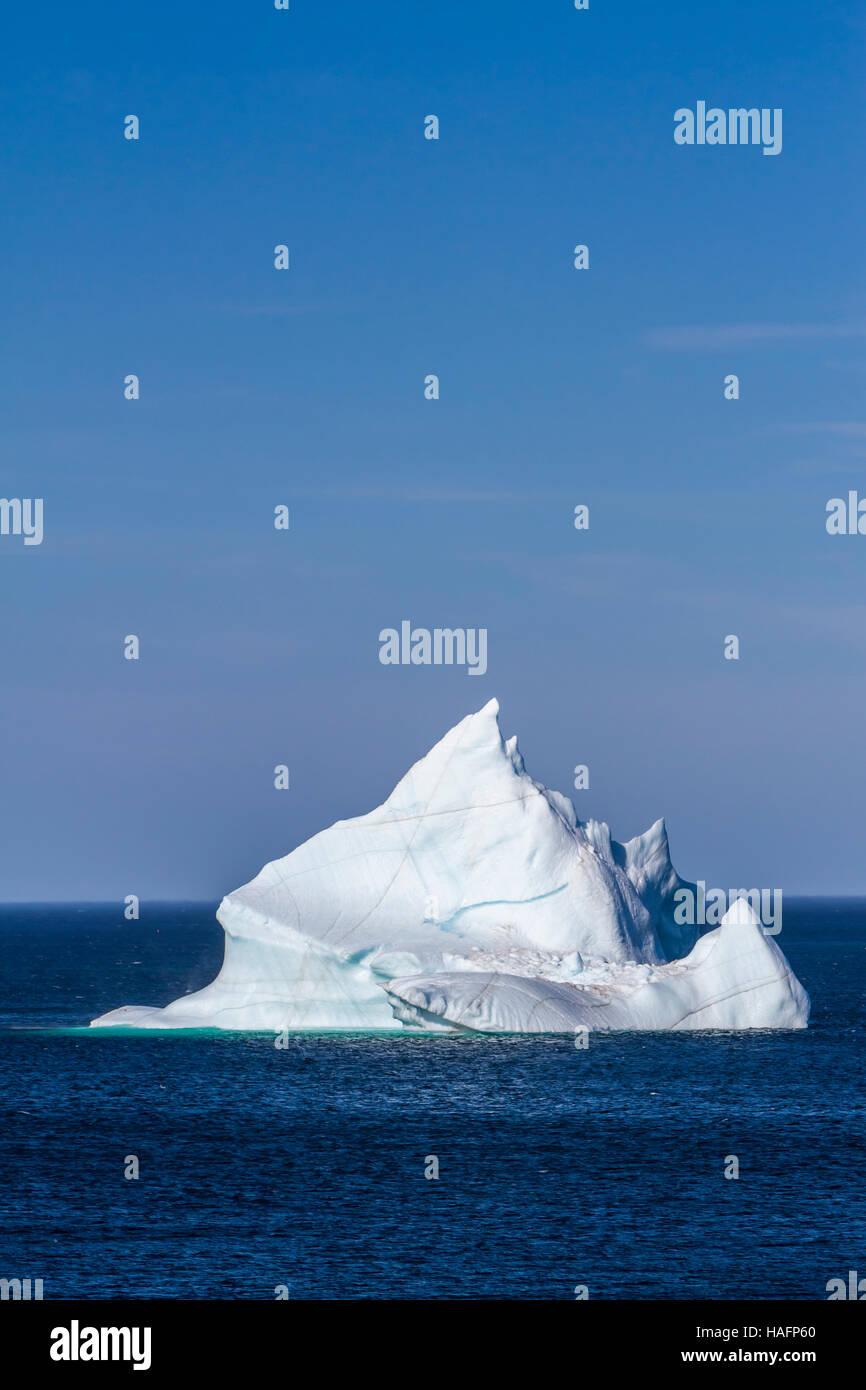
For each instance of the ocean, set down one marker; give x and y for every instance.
(303, 1170)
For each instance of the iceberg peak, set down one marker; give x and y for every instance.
(741, 914)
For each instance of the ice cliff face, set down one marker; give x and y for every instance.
(473, 898)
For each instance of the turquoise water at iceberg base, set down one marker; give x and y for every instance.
(305, 1167)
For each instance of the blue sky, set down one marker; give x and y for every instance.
(305, 387)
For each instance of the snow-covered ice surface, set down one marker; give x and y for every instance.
(474, 899)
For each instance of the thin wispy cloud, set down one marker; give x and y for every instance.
(266, 310)
(439, 494)
(713, 337)
(847, 429)
(832, 467)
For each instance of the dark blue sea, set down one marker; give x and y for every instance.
(305, 1167)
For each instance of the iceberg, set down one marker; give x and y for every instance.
(474, 900)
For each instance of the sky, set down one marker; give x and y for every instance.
(305, 388)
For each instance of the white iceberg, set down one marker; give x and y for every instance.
(474, 899)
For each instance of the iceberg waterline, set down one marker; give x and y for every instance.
(474, 899)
